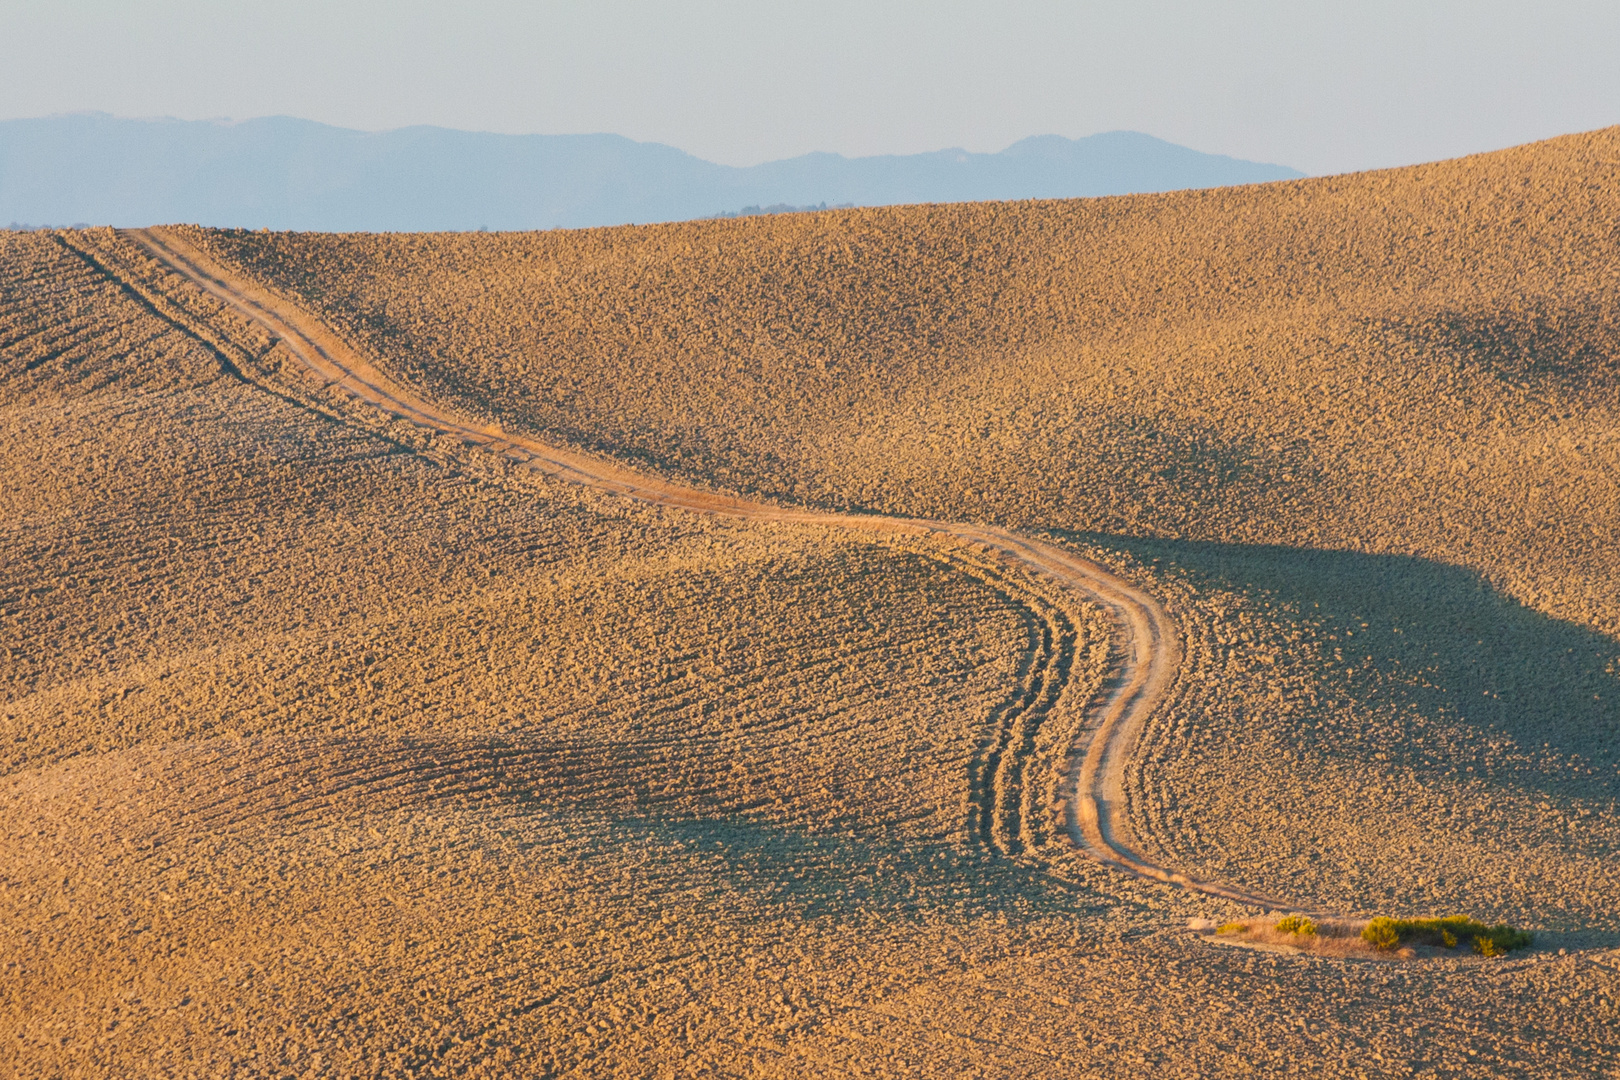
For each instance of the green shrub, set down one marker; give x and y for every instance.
(1385, 934)
(1507, 938)
(1381, 934)
(1232, 928)
(1297, 924)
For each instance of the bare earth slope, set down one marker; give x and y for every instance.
(1417, 361)
(337, 748)
(1086, 776)
(1360, 431)
(299, 711)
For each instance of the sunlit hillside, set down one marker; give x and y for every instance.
(337, 746)
(1419, 361)
(1366, 427)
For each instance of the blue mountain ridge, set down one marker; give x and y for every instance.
(285, 173)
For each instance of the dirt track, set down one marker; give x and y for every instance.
(1146, 654)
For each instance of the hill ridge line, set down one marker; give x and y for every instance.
(1092, 787)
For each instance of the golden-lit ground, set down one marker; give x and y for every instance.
(291, 707)
(1364, 430)
(335, 749)
(1416, 361)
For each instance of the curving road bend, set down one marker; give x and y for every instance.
(1149, 652)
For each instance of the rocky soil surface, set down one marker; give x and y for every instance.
(335, 748)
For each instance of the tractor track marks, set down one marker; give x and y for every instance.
(1145, 653)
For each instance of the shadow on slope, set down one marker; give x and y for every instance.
(1572, 347)
(1369, 731)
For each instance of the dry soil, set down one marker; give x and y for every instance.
(335, 747)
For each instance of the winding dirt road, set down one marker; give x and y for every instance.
(1147, 652)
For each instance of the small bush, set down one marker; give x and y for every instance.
(1387, 933)
(1297, 924)
(1381, 934)
(1232, 928)
(1508, 938)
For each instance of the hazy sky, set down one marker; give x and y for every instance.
(1322, 87)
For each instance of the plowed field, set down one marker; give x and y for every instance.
(334, 746)
(1365, 430)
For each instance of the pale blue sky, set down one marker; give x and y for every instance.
(1322, 87)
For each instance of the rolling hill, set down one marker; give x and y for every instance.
(345, 740)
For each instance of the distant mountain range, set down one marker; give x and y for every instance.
(285, 173)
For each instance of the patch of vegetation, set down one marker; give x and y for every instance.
(1381, 934)
(1386, 934)
(1404, 939)
(780, 208)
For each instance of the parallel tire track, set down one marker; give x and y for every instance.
(1146, 650)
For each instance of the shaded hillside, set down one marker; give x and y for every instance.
(283, 173)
